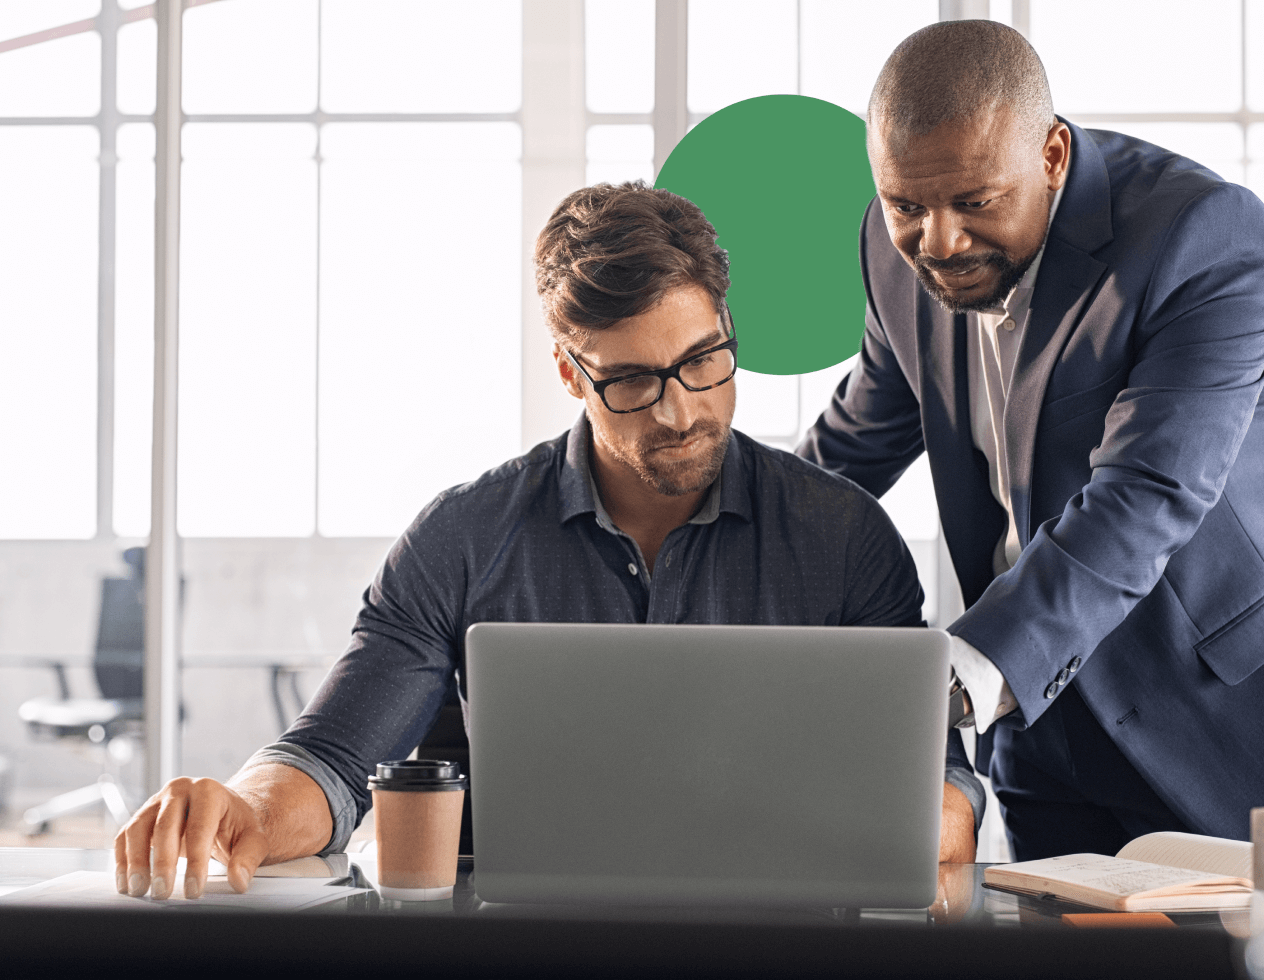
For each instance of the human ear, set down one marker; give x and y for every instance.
(1057, 155)
(566, 371)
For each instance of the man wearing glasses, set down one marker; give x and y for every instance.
(650, 510)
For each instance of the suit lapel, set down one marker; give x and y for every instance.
(1057, 306)
(967, 508)
(1068, 275)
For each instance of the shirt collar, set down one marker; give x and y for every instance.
(575, 482)
(578, 490)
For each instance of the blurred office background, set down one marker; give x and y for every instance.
(362, 181)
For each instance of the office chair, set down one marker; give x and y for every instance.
(111, 721)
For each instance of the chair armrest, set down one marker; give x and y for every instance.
(58, 667)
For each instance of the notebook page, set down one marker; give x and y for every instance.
(1092, 873)
(1213, 855)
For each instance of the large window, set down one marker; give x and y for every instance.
(343, 353)
(350, 264)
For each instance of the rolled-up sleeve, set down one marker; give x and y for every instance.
(959, 773)
(342, 807)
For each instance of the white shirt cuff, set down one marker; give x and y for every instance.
(989, 692)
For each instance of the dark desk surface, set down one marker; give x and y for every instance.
(971, 932)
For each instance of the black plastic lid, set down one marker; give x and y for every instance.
(418, 775)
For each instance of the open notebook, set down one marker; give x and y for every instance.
(1163, 872)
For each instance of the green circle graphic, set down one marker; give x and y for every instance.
(785, 180)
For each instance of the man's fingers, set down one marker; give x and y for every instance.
(136, 838)
(120, 862)
(167, 834)
(247, 854)
(208, 810)
(189, 817)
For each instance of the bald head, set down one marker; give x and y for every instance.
(956, 70)
(967, 157)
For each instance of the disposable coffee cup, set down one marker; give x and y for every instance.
(417, 818)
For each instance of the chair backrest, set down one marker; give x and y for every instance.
(119, 656)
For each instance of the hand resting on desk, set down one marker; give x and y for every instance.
(265, 815)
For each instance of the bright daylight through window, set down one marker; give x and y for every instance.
(332, 309)
(344, 160)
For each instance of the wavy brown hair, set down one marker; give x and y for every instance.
(611, 252)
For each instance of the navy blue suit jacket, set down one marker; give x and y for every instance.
(1138, 478)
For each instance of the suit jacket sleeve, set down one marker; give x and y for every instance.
(1171, 436)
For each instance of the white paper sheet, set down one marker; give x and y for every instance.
(1211, 855)
(332, 865)
(95, 889)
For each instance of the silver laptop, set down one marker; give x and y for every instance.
(707, 765)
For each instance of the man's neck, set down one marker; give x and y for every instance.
(636, 508)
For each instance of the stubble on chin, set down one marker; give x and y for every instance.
(675, 478)
(1009, 274)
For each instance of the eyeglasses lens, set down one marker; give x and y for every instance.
(709, 369)
(702, 372)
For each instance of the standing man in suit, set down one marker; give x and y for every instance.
(1071, 324)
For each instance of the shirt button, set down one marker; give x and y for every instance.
(632, 567)
(1074, 665)
(1007, 323)
(1051, 690)
(1064, 675)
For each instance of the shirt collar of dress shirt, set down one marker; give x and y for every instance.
(729, 493)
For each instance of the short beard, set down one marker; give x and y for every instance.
(698, 474)
(1011, 274)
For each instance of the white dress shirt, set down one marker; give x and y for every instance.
(992, 342)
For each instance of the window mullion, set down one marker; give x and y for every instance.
(107, 123)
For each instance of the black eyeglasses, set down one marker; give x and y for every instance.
(636, 392)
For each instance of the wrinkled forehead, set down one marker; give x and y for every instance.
(953, 158)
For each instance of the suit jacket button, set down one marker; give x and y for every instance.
(1074, 665)
(1064, 675)
(1051, 690)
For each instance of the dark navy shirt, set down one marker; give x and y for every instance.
(778, 541)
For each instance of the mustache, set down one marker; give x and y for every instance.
(670, 439)
(959, 263)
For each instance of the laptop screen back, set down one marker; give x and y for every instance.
(707, 764)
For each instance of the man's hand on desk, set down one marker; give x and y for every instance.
(956, 828)
(193, 817)
(265, 815)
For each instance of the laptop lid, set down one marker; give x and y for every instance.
(684, 765)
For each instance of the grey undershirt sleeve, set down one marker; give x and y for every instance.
(342, 806)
